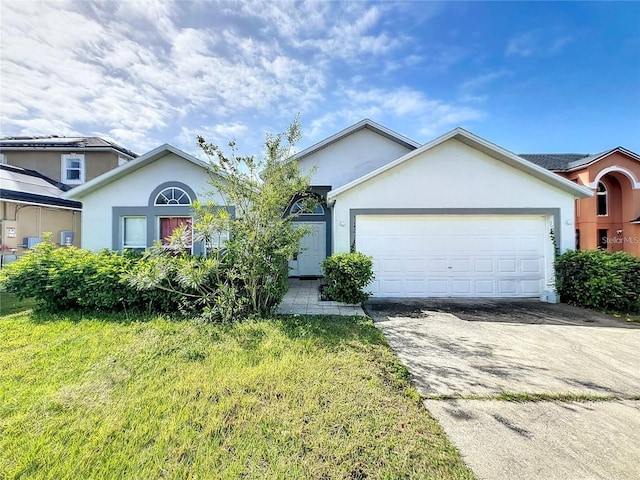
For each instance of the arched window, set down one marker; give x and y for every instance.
(301, 207)
(172, 196)
(602, 199)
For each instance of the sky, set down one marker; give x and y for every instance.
(540, 77)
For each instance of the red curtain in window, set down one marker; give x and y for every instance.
(168, 225)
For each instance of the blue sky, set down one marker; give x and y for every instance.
(530, 77)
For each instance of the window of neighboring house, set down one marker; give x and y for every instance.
(73, 168)
(602, 199)
(173, 196)
(134, 232)
(300, 207)
(602, 239)
(3, 159)
(577, 239)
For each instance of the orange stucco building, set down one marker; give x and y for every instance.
(611, 218)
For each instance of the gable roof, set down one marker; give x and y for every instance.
(566, 162)
(130, 167)
(486, 147)
(28, 186)
(553, 161)
(362, 124)
(54, 142)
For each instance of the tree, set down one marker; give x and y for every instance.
(247, 273)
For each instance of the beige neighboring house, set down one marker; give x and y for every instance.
(35, 172)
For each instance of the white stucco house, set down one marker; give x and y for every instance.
(144, 200)
(455, 217)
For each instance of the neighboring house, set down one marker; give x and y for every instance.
(69, 160)
(458, 216)
(142, 201)
(31, 204)
(611, 218)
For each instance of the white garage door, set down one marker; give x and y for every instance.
(454, 255)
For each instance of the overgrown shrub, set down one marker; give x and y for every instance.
(599, 279)
(70, 279)
(247, 275)
(347, 275)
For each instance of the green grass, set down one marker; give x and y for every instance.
(10, 304)
(111, 398)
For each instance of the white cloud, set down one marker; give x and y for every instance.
(147, 72)
(537, 44)
(424, 116)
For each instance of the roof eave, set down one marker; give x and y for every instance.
(600, 156)
(34, 199)
(8, 148)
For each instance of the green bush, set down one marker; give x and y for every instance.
(71, 279)
(347, 274)
(599, 279)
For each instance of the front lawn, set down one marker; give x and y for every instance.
(9, 303)
(114, 397)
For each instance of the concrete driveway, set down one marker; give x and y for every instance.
(462, 354)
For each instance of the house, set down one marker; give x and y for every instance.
(31, 204)
(611, 218)
(36, 173)
(455, 217)
(69, 160)
(143, 200)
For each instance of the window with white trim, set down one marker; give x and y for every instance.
(172, 196)
(602, 197)
(73, 171)
(134, 232)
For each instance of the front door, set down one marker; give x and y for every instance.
(313, 250)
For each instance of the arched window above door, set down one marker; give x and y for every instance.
(172, 196)
(300, 207)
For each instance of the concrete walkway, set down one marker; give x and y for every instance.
(303, 298)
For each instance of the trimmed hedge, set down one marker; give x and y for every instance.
(73, 279)
(347, 275)
(600, 280)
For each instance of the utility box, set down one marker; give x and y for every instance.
(66, 238)
(30, 242)
(9, 234)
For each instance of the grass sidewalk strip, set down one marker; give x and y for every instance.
(536, 397)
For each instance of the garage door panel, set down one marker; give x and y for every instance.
(461, 287)
(415, 265)
(416, 287)
(507, 287)
(438, 286)
(531, 286)
(483, 246)
(485, 287)
(531, 265)
(483, 265)
(458, 255)
(507, 265)
(507, 245)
